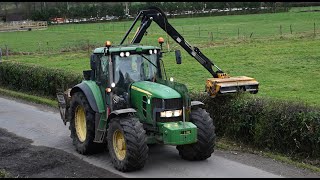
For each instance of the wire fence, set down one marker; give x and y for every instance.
(66, 38)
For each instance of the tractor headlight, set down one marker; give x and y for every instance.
(177, 113)
(169, 113)
(174, 113)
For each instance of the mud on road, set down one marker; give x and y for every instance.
(21, 159)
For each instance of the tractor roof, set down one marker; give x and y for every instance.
(131, 47)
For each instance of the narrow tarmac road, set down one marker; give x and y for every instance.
(45, 128)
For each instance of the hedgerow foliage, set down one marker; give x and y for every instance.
(291, 128)
(36, 79)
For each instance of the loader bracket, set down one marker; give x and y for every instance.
(62, 104)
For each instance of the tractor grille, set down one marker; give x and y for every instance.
(169, 104)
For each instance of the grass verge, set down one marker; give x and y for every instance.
(4, 174)
(225, 144)
(28, 97)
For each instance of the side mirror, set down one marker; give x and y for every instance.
(87, 74)
(93, 64)
(178, 56)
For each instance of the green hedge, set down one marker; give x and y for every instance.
(287, 127)
(36, 79)
(290, 128)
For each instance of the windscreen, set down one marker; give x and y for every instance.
(134, 68)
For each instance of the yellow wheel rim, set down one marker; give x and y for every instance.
(80, 123)
(119, 144)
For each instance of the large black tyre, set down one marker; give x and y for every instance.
(84, 145)
(204, 146)
(134, 151)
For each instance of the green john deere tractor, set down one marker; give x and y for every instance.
(126, 101)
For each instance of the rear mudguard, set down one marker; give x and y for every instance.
(92, 93)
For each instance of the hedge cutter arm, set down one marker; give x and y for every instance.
(220, 83)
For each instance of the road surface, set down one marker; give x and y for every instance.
(44, 126)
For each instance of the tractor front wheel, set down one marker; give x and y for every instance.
(127, 143)
(204, 146)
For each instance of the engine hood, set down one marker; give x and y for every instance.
(156, 90)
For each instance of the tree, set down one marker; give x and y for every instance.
(170, 7)
(117, 10)
(181, 7)
(155, 4)
(216, 5)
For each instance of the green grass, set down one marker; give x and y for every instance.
(309, 8)
(59, 37)
(286, 68)
(28, 97)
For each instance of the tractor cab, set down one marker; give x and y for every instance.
(133, 68)
(116, 68)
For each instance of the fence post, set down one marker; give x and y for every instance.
(0, 55)
(217, 33)
(280, 30)
(290, 29)
(47, 47)
(7, 52)
(88, 46)
(211, 36)
(251, 34)
(314, 29)
(238, 33)
(39, 47)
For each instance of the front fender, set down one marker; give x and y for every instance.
(92, 93)
(120, 112)
(196, 103)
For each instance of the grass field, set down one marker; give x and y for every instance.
(287, 68)
(195, 30)
(309, 8)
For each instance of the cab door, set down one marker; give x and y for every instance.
(103, 77)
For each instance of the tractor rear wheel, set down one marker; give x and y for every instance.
(82, 124)
(204, 147)
(127, 143)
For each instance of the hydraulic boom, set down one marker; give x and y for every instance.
(220, 83)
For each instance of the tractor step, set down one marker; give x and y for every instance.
(62, 104)
(225, 85)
